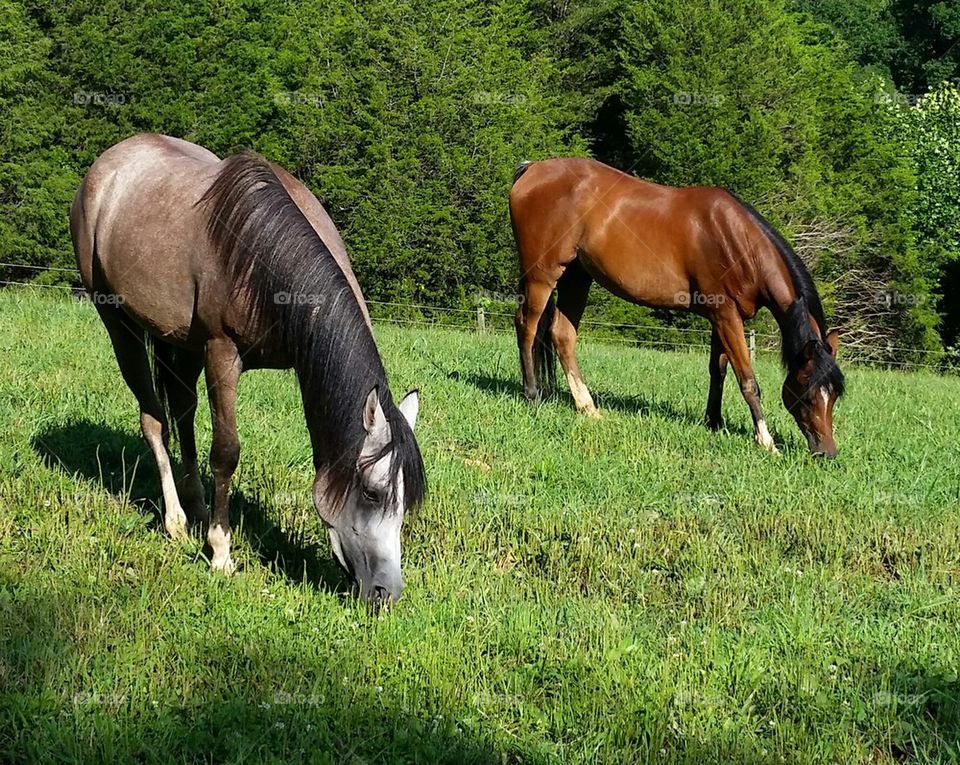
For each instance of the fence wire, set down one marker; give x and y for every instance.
(472, 317)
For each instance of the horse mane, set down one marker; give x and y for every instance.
(796, 330)
(294, 285)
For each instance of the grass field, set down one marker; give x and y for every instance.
(630, 590)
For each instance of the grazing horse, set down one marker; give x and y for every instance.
(695, 249)
(197, 264)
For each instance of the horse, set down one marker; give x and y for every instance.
(200, 264)
(697, 249)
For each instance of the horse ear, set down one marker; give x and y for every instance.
(409, 407)
(833, 342)
(373, 417)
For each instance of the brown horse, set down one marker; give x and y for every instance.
(197, 264)
(695, 249)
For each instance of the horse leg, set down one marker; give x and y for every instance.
(729, 326)
(182, 395)
(536, 297)
(129, 346)
(222, 366)
(718, 372)
(572, 290)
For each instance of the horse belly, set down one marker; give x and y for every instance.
(152, 279)
(639, 277)
(635, 252)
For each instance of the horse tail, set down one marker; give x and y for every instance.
(521, 169)
(161, 356)
(544, 351)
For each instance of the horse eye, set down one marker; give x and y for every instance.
(370, 496)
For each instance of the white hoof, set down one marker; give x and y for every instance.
(176, 525)
(768, 445)
(220, 544)
(764, 438)
(223, 566)
(592, 412)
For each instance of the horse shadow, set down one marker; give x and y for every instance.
(121, 463)
(639, 405)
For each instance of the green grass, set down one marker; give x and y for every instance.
(630, 590)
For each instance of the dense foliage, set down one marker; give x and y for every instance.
(408, 117)
(914, 42)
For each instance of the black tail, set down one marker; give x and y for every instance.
(521, 169)
(544, 352)
(161, 360)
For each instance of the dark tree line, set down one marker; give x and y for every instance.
(408, 117)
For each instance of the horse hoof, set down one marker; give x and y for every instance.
(195, 506)
(176, 527)
(769, 446)
(225, 566)
(592, 412)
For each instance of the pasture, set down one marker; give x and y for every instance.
(629, 590)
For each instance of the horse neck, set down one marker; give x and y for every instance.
(332, 408)
(786, 303)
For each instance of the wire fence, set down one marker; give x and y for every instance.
(484, 318)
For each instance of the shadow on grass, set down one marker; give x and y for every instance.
(247, 701)
(923, 702)
(642, 405)
(251, 699)
(123, 465)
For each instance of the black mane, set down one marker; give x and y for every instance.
(295, 286)
(795, 327)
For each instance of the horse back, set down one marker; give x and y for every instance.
(140, 242)
(652, 244)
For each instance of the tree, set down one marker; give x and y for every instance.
(709, 100)
(912, 42)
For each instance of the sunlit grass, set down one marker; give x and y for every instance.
(630, 590)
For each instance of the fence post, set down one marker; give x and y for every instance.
(752, 339)
(481, 319)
